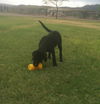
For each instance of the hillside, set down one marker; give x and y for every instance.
(92, 7)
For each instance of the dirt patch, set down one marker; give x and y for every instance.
(76, 23)
(21, 27)
(16, 27)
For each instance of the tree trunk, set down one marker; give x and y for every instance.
(57, 12)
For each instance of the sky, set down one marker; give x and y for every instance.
(70, 3)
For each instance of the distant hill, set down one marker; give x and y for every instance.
(87, 7)
(91, 7)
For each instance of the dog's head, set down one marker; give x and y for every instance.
(38, 57)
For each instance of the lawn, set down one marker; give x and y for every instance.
(75, 81)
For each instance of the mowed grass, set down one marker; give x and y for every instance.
(75, 81)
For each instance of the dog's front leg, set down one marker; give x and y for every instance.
(60, 52)
(54, 58)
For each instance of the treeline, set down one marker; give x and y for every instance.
(22, 9)
(92, 11)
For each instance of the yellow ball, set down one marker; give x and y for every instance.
(40, 66)
(31, 67)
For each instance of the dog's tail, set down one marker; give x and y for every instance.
(45, 27)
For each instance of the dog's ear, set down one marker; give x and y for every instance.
(45, 57)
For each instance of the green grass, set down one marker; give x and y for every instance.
(75, 81)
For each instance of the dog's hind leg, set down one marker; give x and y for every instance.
(60, 51)
(49, 55)
(54, 58)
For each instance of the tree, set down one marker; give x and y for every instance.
(56, 3)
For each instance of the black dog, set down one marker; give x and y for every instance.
(46, 46)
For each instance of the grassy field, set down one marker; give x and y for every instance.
(75, 81)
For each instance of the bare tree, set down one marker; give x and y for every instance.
(56, 3)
